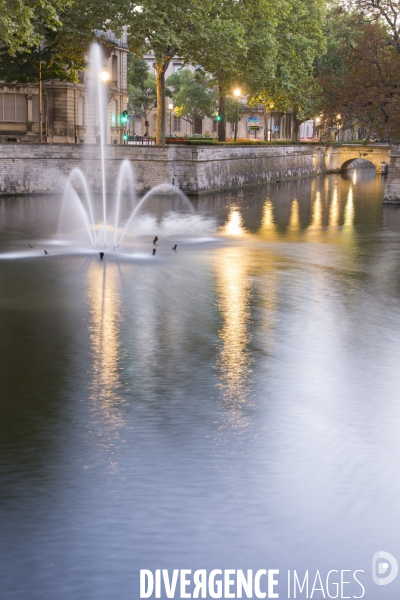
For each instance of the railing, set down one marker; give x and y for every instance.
(144, 141)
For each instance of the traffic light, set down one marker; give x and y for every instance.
(218, 118)
(124, 117)
(125, 136)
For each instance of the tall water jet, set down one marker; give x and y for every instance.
(97, 78)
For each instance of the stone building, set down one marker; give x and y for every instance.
(68, 116)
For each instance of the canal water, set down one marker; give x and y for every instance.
(231, 405)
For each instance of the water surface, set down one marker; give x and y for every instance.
(231, 405)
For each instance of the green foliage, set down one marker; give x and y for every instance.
(359, 77)
(22, 21)
(166, 29)
(231, 110)
(60, 43)
(192, 95)
(141, 87)
(300, 39)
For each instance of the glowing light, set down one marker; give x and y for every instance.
(334, 210)
(348, 224)
(233, 292)
(236, 92)
(170, 106)
(268, 226)
(234, 225)
(294, 223)
(316, 219)
(104, 76)
(105, 319)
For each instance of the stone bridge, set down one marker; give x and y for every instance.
(339, 158)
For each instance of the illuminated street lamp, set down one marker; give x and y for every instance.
(171, 108)
(236, 93)
(104, 76)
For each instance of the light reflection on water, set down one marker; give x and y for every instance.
(103, 293)
(233, 404)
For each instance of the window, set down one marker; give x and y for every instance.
(81, 111)
(13, 107)
(113, 113)
(114, 68)
(177, 67)
(215, 126)
(177, 124)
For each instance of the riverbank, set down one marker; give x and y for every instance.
(43, 168)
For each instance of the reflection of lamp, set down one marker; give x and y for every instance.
(171, 108)
(236, 93)
(104, 76)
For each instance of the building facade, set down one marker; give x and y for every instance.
(67, 114)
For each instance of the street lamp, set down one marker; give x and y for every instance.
(236, 93)
(104, 76)
(171, 108)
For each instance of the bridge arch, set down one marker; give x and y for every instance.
(381, 166)
(340, 158)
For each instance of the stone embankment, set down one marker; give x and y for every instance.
(392, 191)
(43, 168)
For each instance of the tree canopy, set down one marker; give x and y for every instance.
(192, 94)
(359, 77)
(142, 96)
(22, 21)
(59, 39)
(165, 29)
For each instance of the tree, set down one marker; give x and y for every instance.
(19, 21)
(271, 62)
(142, 95)
(231, 48)
(165, 29)
(192, 95)
(61, 47)
(385, 11)
(300, 39)
(360, 75)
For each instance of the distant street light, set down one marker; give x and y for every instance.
(171, 108)
(236, 93)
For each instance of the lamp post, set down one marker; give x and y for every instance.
(171, 108)
(40, 102)
(236, 93)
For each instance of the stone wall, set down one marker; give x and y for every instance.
(392, 191)
(43, 168)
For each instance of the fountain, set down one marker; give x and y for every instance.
(77, 194)
(89, 221)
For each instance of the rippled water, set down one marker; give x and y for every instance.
(232, 405)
